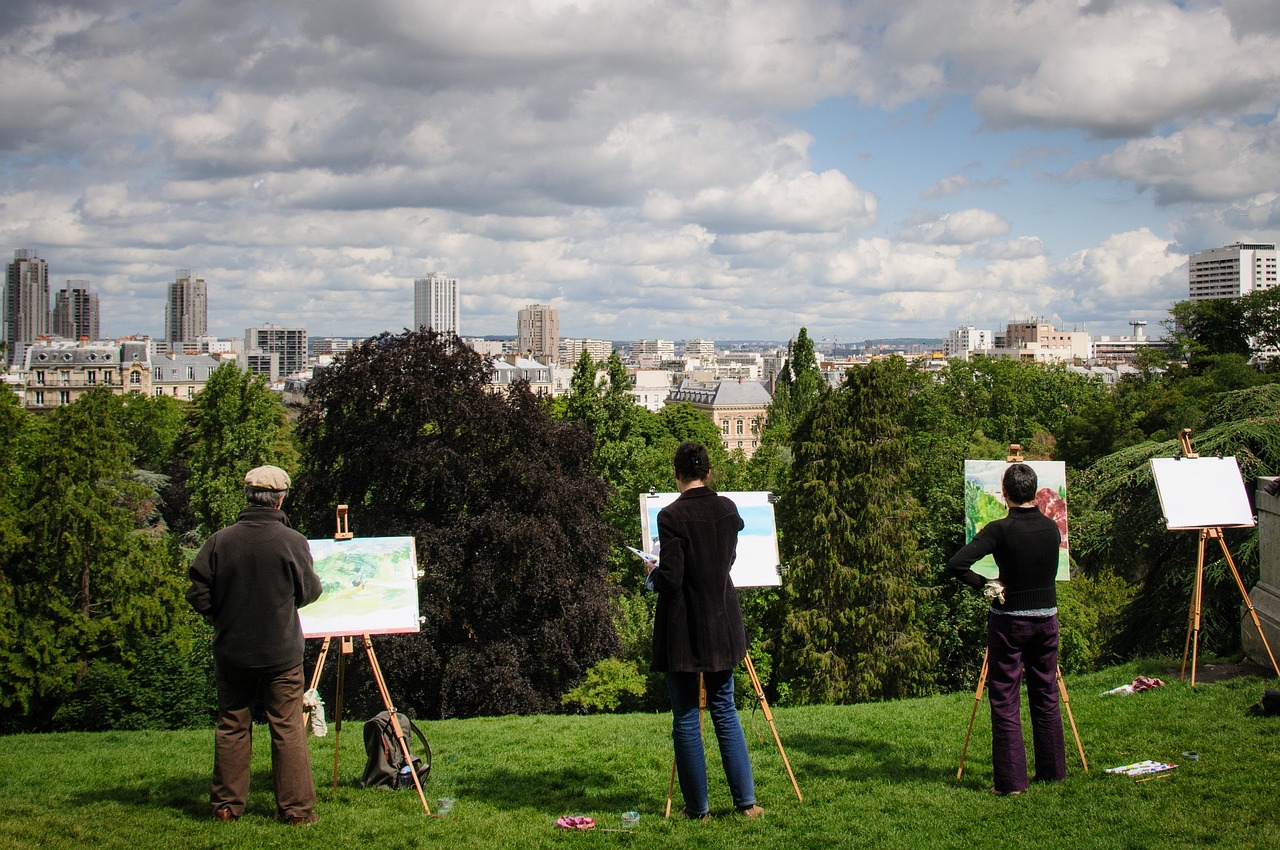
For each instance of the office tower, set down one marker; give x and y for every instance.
(538, 331)
(26, 303)
(435, 303)
(289, 343)
(966, 340)
(186, 315)
(75, 312)
(1231, 271)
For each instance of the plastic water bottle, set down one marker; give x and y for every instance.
(405, 778)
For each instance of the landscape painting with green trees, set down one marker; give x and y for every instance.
(370, 586)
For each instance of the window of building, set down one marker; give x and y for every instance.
(191, 373)
(158, 374)
(740, 429)
(106, 378)
(40, 378)
(134, 377)
(191, 393)
(724, 426)
(159, 391)
(755, 427)
(64, 397)
(40, 397)
(91, 377)
(66, 379)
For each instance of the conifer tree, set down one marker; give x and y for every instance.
(852, 631)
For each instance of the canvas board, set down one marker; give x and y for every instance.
(757, 564)
(370, 587)
(1202, 492)
(983, 502)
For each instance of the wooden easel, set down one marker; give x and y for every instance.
(1197, 600)
(347, 641)
(1015, 456)
(768, 716)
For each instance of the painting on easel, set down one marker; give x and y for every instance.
(370, 587)
(983, 503)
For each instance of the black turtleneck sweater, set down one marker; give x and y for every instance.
(1025, 546)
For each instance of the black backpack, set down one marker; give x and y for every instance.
(385, 756)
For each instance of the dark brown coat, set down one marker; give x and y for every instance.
(697, 627)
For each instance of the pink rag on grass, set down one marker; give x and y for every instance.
(1142, 683)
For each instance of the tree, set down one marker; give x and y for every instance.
(1203, 328)
(1261, 317)
(852, 631)
(1117, 527)
(87, 583)
(234, 424)
(504, 508)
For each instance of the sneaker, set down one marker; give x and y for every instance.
(751, 812)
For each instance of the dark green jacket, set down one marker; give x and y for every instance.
(250, 579)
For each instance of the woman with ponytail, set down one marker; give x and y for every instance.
(698, 631)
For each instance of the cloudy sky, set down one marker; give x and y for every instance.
(733, 169)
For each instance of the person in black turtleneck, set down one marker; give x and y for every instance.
(1022, 632)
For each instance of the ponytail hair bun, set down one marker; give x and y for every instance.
(692, 463)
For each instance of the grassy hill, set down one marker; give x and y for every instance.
(881, 775)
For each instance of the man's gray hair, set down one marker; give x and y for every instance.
(263, 498)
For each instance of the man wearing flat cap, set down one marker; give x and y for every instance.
(249, 580)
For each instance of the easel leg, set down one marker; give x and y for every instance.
(337, 705)
(1066, 700)
(1193, 625)
(395, 722)
(977, 699)
(768, 715)
(1247, 601)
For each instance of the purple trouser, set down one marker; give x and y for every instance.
(1014, 644)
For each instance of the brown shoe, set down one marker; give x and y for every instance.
(691, 816)
(751, 812)
(225, 814)
(301, 820)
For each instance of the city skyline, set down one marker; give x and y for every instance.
(738, 171)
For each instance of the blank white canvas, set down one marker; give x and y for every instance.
(1202, 492)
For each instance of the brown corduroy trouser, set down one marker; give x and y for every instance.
(281, 692)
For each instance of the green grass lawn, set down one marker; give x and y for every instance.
(881, 775)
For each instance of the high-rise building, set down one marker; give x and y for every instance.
(75, 312)
(966, 340)
(538, 331)
(289, 343)
(1231, 271)
(26, 303)
(186, 314)
(598, 349)
(435, 303)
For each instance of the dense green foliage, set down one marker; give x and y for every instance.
(851, 629)
(521, 508)
(504, 507)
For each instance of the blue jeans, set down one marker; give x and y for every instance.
(686, 735)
